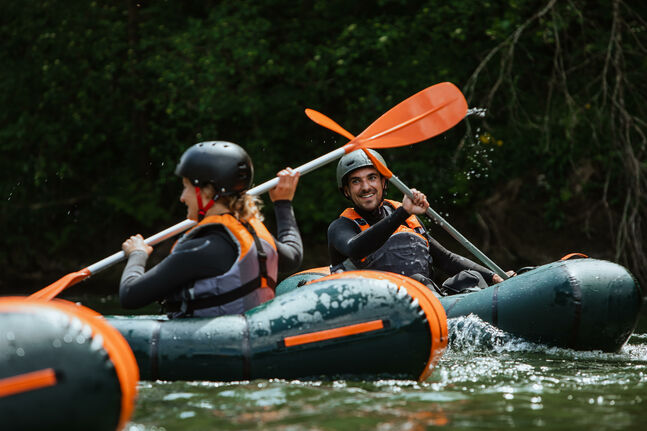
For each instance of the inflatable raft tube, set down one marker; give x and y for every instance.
(62, 367)
(581, 304)
(339, 328)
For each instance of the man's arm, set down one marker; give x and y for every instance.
(347, 239)
(452, 263)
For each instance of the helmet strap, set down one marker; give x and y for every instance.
(202, 209)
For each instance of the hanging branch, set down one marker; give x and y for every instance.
(628, 135)
(619, 105)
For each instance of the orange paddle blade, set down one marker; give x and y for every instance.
(328, 123)
(382, 169)
(424, 115)
(60, 285)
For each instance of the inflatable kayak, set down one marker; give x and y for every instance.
(362, 328)
(581, 304)
(62, 367)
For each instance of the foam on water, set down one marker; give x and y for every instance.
(470, 334)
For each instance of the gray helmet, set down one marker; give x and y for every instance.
(354, 160)
(224, 165)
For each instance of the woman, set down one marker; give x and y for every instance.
(229, 262)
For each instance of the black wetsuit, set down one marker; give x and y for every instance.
(346, 239)
(210, 254)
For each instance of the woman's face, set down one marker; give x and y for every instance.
(188, 198)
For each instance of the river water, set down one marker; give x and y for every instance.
(486, 380)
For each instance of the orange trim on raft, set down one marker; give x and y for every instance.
(572, 255)
(328, 334)
(431, 306)
(114, 343)
(27, 382)
(323, 270)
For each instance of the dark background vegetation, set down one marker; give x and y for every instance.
(100, 98)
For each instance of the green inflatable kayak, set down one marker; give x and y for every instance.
(581, 304)
(362, 328)
(62, 367)
(373, 324)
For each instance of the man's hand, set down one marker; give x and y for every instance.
(417, 205)
(496, 278)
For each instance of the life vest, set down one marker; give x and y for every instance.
(406, 252)
(249, 282)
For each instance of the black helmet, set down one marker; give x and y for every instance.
(224, 165)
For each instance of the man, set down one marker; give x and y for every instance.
(386, 235)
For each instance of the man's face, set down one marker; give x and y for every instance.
(365, 187)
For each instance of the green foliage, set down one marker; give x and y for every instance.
(100, 99)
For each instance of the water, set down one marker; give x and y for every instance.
(486, 380)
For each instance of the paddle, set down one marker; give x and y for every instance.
(73, 278)
(322, 120)
(421, 116)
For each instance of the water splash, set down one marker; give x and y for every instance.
(471, 334)
(477, 112)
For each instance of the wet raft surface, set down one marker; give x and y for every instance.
(583, 304)
(363, 328)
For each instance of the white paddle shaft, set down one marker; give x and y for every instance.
(186, 224)
(453, 232)
(303, 169)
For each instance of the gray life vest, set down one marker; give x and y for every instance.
(248, 283)
(406, 252)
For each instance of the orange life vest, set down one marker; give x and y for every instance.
(413, 224)
(405, 252)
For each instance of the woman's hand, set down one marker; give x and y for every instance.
(136, 242)
(416, 205)
(496, 278)
(284, 190)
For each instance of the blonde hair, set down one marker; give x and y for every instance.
(244, 206)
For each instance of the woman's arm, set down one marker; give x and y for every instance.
(288, 238)
(203, 257)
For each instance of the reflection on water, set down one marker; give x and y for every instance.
(486, 380)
